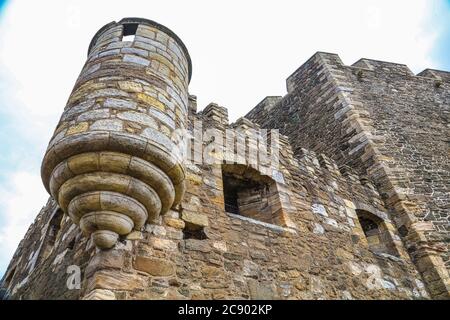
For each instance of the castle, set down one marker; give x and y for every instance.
(338, 190)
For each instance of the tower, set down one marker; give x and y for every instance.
(114, 160)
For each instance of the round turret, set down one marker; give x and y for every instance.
(114, 162)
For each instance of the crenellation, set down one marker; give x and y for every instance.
(216, 115)
(436, 74)
(383, 66)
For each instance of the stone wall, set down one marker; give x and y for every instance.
(390, 126)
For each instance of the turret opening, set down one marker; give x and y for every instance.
(129, 31)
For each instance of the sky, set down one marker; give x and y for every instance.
(241, 51)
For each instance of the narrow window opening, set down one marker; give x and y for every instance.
(376, 233)
(10, 276)
(53, 230)
(129, 31)
(54, 227)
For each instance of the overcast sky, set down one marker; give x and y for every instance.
(241, 50)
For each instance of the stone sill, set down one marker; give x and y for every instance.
(270, 226)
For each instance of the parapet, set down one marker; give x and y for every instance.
(436, 74)
(263, 108)
(385, 66)
(314, 65)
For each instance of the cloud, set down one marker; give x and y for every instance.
(21, 197)
(241, 52)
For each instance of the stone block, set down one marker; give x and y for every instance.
(262, 290)
(130, 86)
(319, 209)
(194, 221)
(108, 125)
(174, 223)
(135, 235)
(197, 245)
(116, 280)
(163, 244)
(349, 203)
(94, 115)
(100, 294)
(139, 118)
(149, 100)
(154, 266)
(115, 103)
(110, 259)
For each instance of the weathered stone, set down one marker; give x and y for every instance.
(194, 220)
(154, 102)
(111, 259)
(107, 124)
(154, 266)
(318, 229)
(197, 245)
(100, 294)
(174, 223)
(100, 93)
(114, 280)
(250, 269)
(320, 209)
(136, 59)
(163, 244)
(168, 121)
(154, 135)
(80, 127)
(220, 245)
(130, 86)
(138, 117)
(94, 115)
(135, 235)
(136, 51)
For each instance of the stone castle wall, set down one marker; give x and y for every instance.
(387, 124)
(341, 216)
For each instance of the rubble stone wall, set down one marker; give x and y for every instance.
(390, 126)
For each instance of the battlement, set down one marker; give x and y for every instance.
(384, 66)
(437, 74)
(326, 59)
